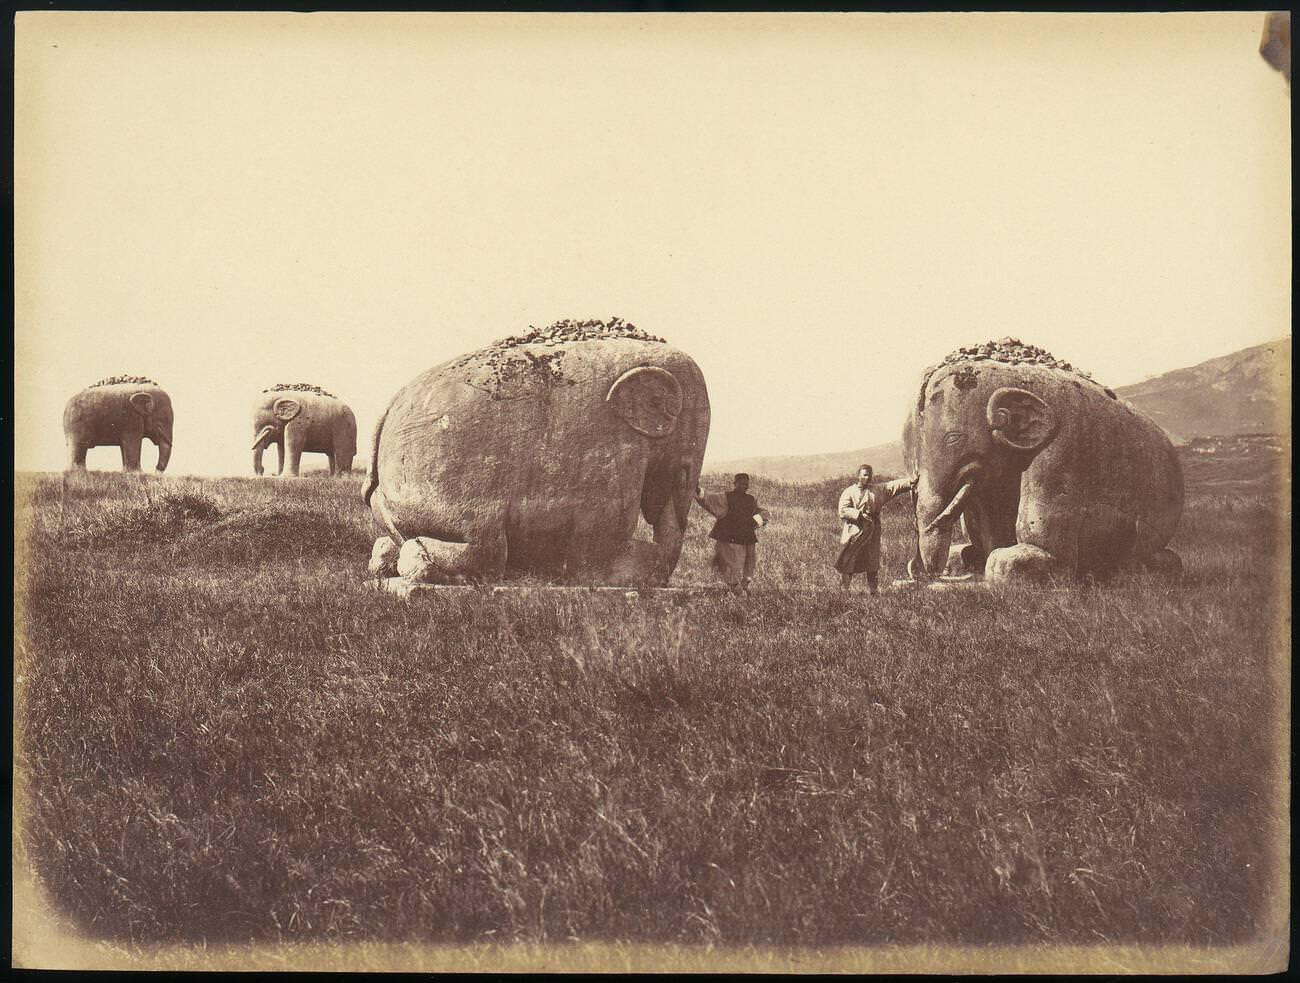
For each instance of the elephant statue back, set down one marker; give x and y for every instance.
(539, 454)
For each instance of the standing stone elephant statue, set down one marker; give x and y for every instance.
(1048, 471)
(538, 454)
(120, 411)
(304, 419)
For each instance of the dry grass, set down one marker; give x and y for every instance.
(225, 737)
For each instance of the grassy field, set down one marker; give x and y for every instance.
(224, 735)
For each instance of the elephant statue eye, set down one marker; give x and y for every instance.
(953, 437)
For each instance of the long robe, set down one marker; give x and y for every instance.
(859, 512)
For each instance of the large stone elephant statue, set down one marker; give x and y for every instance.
(120, 411)
(538, 455)
(1049, 472)
(303, 419)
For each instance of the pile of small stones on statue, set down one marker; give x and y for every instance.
(117, 380)
(555, 334)
(568, 330)
(298, 387)
(1014, 351)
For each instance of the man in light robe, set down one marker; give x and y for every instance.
(735, 545)
(859, 512)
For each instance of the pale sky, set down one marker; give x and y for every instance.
(815, 207)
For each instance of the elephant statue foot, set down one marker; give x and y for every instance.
(963, 560)
(1165, 563)
(641, 564)
(425, 560)
(1022, 563)
(383, 558)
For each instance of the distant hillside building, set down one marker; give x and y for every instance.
(1237, 444)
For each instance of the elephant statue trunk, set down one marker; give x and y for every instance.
(985, 503)
(935, 519)
(164, 450)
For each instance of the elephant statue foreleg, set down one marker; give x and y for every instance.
(665, 502)
(131, 453)
(77, 455)
(294, 445)
(264, 440)
(670, 523)
(426, 560)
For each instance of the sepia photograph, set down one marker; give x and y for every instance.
(652, 492)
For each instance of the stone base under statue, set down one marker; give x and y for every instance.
(403, 587)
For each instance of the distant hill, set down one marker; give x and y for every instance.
(887, 459)
(1242, 393)
(1246, 392)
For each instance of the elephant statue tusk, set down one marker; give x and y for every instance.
(954, 507)
(264, 437)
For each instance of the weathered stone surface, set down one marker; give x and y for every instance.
(1049, 472)
(414, 561)
(383, 558)
(540, 454)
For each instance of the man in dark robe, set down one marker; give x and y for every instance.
(735, 545)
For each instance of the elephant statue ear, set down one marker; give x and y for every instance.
(1020, 420)
(648, 399)
(142, 403)
(286, 409)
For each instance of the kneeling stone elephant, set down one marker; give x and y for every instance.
(120, 411)
(1049, 472)
(537, 455)
(304, 419)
